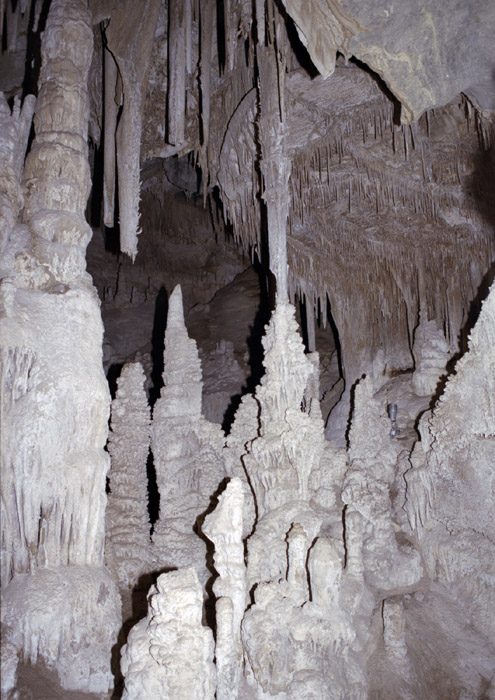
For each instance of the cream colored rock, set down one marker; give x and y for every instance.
(128, 551)
(451, 482)
(187, 450)
(224, 528)
(54, 396)
(431, 354)
(169, 654)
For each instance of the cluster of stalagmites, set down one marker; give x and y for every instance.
(322, 557)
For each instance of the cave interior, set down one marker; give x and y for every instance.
(247, 250)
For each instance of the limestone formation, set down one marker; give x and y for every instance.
(169, 653)
(128, 550)
(55, 400)
(431, 354)
(224, 528)
(187, 450)
(312, 185)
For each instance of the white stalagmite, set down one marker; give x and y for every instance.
(224, 528)
(187, 449)
(55, 399)
(366, 489)
(127, 520)
(290, 442)
(456, 479)
(169, 654)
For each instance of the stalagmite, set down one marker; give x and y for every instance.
(127, 521)
(224, 528)
(169, 653)
(431, 354)
(14, 131)
(187, 449)
(366, 490)
(349, 562)
(457, 451)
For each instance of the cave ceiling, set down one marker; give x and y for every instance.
(388, 130)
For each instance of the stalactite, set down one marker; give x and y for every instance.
(275, 165)
(133, 60)
(207, 15)
(176, 97)
(111, 109)
(188, 37)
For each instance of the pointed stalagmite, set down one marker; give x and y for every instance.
(187, 449)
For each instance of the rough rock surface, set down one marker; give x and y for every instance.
(425, 53)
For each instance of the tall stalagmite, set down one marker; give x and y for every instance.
(187, 449)
(127, 520)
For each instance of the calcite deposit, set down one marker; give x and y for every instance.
(247, 349)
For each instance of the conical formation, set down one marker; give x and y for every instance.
(128, 526)
(290, 442)
(187, 449)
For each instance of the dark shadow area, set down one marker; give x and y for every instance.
(481, 185)
(352, 404)
(254, 346)
(383, 87)
(336, 337)
(158, 344)
(221, 38)
(32, 63)
(113, 374)
(300, 51)
(303, 325)
(95, 200)
(153, 492)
